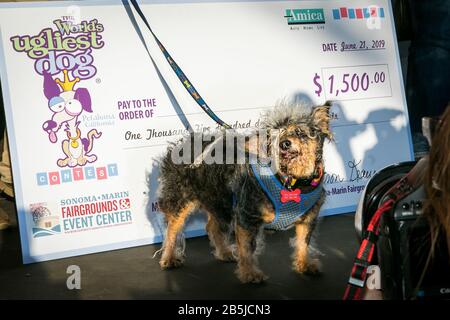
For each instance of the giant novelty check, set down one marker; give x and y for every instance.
(91, 103)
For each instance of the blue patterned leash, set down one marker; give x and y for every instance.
(180, 74)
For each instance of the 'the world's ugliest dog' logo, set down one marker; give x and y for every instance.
(66, 52)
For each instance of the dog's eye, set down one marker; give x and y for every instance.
(74, 106)
(56, 104)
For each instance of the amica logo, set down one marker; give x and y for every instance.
(304, 16)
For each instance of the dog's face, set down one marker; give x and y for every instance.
(298, 148)
(300, 134)
(65, 105)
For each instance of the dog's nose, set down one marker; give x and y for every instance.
(285, 144)
(49, 125)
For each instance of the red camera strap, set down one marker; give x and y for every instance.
(357, 278)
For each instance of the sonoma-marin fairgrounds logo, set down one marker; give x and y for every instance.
(63, 57)
(44, 223)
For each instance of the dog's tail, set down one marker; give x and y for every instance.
(88, 142)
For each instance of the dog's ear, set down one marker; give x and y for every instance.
(51, 89)
(321, 119)
(82, 95)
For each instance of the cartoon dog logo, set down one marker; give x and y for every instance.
(66, 106)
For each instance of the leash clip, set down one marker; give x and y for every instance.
(356, 282)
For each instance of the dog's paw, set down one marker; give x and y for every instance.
(251, 276)
(311, 267)
(171, 263)
(226, 256)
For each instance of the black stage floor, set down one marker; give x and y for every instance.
(133, 274)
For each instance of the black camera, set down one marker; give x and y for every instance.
(403, 244)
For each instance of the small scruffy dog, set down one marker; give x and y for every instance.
(241, 199)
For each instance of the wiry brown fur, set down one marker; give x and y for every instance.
(210, 187)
